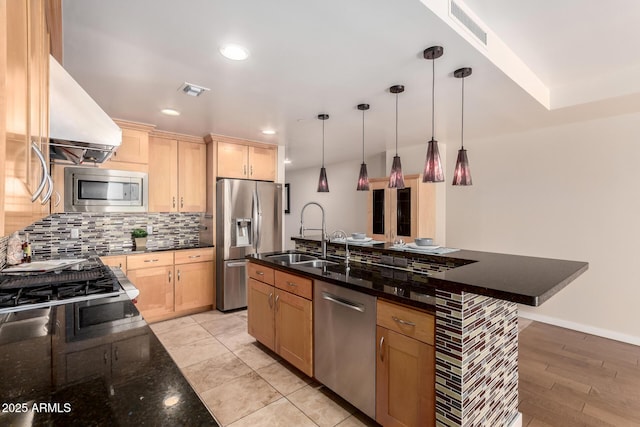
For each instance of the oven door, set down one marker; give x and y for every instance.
(105, 190)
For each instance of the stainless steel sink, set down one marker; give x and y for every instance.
(292, 258)
(316, 263)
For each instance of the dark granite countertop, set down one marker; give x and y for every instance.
(522, 279)
(158, 250)
(113, 373)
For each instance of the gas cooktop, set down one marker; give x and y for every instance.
(87, 280)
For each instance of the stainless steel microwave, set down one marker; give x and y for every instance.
(105, 190)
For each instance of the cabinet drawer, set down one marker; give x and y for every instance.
(156, 259)
(407, 321)
(260, 273)
(186, 256)
(115, 261)
(295, 284)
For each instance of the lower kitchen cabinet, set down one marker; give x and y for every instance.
(279, 317)
(119, 261)
(405, 367)
(173, 284)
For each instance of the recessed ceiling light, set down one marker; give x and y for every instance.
(170, 112)
(287, 161)
(235, 52)
(269, 132)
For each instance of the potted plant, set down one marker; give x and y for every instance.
(140, 237)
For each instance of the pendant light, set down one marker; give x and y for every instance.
(432, 164)
(396, 180)
(462, 173)
(363, 178)
(323, 184)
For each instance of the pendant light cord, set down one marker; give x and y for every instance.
(462, 115)
(322, 143)
(362, 136)
(433, 96)
(396, 124)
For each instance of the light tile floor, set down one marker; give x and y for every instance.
(245, 384)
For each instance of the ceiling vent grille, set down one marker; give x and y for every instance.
(192, 90)
(466, 21)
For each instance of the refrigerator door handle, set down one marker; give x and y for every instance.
(259, 220)
(255, 232)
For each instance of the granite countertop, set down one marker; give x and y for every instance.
(114, 373)
(202, 246)
(521, 279)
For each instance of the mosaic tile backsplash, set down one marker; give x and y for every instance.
(109, 233)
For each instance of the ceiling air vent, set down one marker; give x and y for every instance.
(192, 90)
(466, 21)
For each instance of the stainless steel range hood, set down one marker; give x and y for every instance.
(79, 130)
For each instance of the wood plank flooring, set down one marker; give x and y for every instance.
(569, 378)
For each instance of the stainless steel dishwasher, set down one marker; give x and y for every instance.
(345, 344)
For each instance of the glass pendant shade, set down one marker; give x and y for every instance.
(462, 173)
(433, 165)
(323, 184)
(396, 179)
(363, 178)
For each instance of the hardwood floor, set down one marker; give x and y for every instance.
(570, 378)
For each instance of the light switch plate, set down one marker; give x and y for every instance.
(75, 233)
(149, 229)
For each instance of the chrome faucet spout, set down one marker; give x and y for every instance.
(323, 239)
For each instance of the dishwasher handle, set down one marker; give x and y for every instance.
(343, 302)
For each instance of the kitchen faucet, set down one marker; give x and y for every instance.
(323, 240)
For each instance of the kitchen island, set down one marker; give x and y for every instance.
(56, 370)
(473, 296)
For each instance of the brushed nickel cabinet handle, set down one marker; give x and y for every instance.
(260, 273)
(244, 169)
(380, 349)
(277, 298)
(271, 300)
(151, 260)
(104, 357)
(182, 202)
(195, 256)
(292, 284)
(178, 274)
(169, 277)
(174, 201)
(251, 170)
(402, 322)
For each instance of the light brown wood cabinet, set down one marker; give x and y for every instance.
(119, 261)
(173, 283)
(246, 160)
(401, 214)
(24, 112)
(405, 366)
(279, 317)
(133, 153)
(177, 174)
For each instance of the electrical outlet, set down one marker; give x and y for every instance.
(149, 229)
(75, 233)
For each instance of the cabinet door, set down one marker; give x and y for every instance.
(134, 148)
(232, 160)
(192, 170)
(260, 315)
(194, 285)
(404, 212)
(378, 224)
(262, 163)
(294, 330)
(405, 380)
(156, 290)
(163, 175)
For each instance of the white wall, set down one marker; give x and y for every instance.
(569, 192)
(345, 208)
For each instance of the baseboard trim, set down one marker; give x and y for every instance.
(604, 333)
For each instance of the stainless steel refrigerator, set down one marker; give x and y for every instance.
(249, 220)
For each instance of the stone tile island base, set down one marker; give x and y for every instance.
(476, 361)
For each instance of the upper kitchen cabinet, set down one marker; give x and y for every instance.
(244, 159)
(133, 153)
(24, 113)
(401, 213)
(177, 173)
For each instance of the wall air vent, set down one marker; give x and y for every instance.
(461, 16)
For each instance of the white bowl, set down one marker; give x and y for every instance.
(423, 241)
(358, 236)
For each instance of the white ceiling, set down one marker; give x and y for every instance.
(310, 57)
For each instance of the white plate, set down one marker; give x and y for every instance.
(366, 239)
(423, 248)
